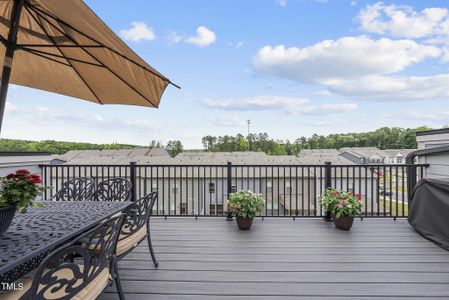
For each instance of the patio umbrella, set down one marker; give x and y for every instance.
(61, 46)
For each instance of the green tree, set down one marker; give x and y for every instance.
(174, 148)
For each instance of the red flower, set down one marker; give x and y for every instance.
(11, 176)
(35, 178)
(23, 172)
(358, 196)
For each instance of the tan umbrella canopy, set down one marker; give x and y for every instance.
(61, 46)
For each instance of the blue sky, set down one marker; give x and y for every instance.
(293, 67)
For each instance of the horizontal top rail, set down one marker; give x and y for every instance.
(234, 165)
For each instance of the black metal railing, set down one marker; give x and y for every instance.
(289, 190)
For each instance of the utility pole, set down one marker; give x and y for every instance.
(249, 143)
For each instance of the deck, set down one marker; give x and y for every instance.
(210, 258)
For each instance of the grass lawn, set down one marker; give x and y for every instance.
(392, 210)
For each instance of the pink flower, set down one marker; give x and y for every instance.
(340, 205)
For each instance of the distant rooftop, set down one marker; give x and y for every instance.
(20, 153)
(434, 131)
(13, 159)
(160, 156)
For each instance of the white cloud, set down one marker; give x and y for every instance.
(338, 107)
(227, 121)
(50, 116)
(347, 57)
(138, 32)
(290, 105)
(174, 37)
(237, 45)
(434, 116)
(393, 88)
(324, 93)
(404, 21)
(358, 67)
(10, 107)
(287, 104)
(282, 3)
(204, 37)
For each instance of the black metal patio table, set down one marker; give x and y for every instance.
(34, 234)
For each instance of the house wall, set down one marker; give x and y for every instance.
(438, 163)
(438, 166)
(194, 196)
(432, 139)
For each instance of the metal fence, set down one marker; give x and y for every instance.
(289, 190)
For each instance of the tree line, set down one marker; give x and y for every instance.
(58, 147)
(382, 138)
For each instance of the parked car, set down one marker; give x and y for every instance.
(385, 192)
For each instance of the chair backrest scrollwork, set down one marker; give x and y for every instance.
(137, 215)
(78, 189)
(115, 189)
(69, 269)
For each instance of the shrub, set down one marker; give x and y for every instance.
(245, 204)
(340, 203)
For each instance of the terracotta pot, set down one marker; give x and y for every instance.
(6, 215)
(344, 222)
(244, 223)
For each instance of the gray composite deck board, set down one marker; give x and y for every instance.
(210, 258)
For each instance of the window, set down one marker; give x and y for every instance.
(211, 188)
(391, 160)
(269, 187)
(399, 159)
(233, 189)
(175, 188)
(154, 187)
(183, 208)
(350, 187)
(288, 187)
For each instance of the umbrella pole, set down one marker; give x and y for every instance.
(9, 54)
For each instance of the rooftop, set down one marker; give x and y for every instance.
(211, 259)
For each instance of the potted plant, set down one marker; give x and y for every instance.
(17, 192)
(245, 205)
(343, 206)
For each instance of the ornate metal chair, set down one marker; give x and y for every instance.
(78, 270)
(78, 189)
(136, 226)
(115, 189)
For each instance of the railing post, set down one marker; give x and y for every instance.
(229, 185)
(132, 175)
(412, 179)
(327, 184)
(44, 180)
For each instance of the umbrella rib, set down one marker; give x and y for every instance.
(110, 49)
(6, 21)
(43, 55)
(62, 53)
(31, 50)
(98, 60)
(60, 46)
